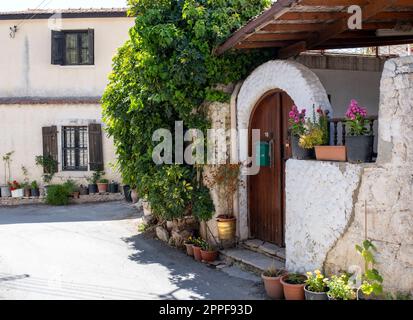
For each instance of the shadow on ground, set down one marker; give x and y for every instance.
(204, 281)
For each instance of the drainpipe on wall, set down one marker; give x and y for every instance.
(234, 144)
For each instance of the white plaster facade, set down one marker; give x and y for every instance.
(29, 76)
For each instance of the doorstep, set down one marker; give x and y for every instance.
(269, 249)
(250, 260)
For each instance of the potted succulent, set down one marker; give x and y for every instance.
(34, 189)
(208, 252)
(16, 190)
(5, 189)
(273, 287)
(93, 180)
(359, 139)
(316, 286)
(340, 289)
(189, 246)
(103, 185)
(113, 187)
(293, 285)
(297, 127)
(196, 247)
(225, 178)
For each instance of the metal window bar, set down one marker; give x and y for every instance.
(75, 149)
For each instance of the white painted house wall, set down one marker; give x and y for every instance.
(26, 71)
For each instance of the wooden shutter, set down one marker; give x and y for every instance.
(91, 43)
(50, 144)
(95, 147)
(58, 39)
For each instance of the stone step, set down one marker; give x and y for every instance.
(250, 260)
(269, 249)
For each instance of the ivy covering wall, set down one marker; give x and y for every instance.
(163, 74)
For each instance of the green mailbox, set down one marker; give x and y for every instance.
(262, 149)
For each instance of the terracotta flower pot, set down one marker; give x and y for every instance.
(102, 187)
(292, 291)
(189, 249)
(27, 193)
(197, 253)
(273, 287)
(209, 256)
(134, 195)
(331, 153)
(226, 228)
(76, 194)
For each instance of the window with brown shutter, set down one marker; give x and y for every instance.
(95, 147)
(50, 144)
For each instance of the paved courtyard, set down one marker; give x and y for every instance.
(95, 252)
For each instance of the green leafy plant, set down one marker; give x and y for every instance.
(58, 194)
(314, 137)
(340, 289)
(295, 278)
(202, 205)
(316, 281)
(207, 247)
(103, 181)
(96, 176)
(7, 159)
(34, 185)
(164, 73)
(371, 279)
(49, 167)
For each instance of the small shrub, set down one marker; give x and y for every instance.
(340, 289)
(58, 194)
(316, 281)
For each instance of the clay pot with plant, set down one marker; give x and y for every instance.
(189, 243)
(225, 178)
(293, 286)
(103, 185)
(93, 180)
(26, 184)
(272, 282)
(208, 252)
(196, 247)
(316, 286)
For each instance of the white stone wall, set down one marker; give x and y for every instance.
(385, 195)
(319, 207)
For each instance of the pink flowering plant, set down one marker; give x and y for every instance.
(357, 121)
(296, 120)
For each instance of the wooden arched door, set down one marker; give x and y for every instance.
(267, 189)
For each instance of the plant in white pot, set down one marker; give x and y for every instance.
(16, 190)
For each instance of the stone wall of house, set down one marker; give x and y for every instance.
(319, 208)
(385, 195)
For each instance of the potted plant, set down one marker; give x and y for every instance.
(49, 168)
(340, 289)
(83, 190)
(196, 247)
(127, 193)
(135, 197)
(189, 246)
(5, 189)
(316, 286)
(71, 185)
(297, 127)
(293, 285)
(34, 189)
(103, 185)
(208, 252)
(273, 287)
(225, 178)
(371, 280)
(16, 190)
(26, 185)
(93, 180)
(359, 139)
(113, 187)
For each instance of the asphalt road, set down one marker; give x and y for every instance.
(94, 251)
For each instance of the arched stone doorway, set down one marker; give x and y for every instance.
(301, 85)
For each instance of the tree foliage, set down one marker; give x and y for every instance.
(164, 73)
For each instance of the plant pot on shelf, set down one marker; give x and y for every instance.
(360, 148)
(102, 187)
(331, 153)
(197, 253)
(292, 291)
(311, 295)
(127, 193)
(83, 190)
(189, 249)
(5, 192)
(93, 188)
(134, 196)
(301, 153)
(18, 193)
(27, 192)
(35, 192)
(273, 287)
(76, 195)
(113, 187)
(209, 255)
(226, 227)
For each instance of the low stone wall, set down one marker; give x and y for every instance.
(319, 207)
(107, 197)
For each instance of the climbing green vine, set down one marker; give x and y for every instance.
(164, 73)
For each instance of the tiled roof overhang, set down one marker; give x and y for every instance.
(294, 26)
